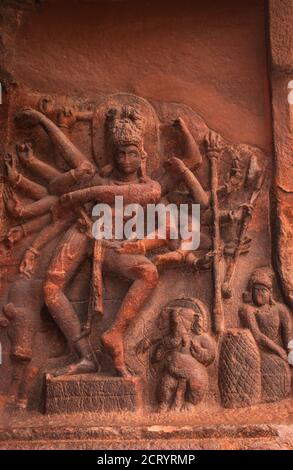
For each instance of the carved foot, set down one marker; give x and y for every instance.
(85, 366)
(10, 404)
(22, 404)
(113, 344)
(9, 311)
(163, 408)
(187, 406)
(123, 371)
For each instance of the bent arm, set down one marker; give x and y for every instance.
(192, 156)
(262, 340)
(50, 232)
(30, 188)
(36, 224)
(62, 144)
(41, 168)
(286, 326)
(62, 183)
(198, 194)
(38, 208)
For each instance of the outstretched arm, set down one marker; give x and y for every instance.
(63, 145)
(178, 168)
(17, 180)
(17, 233)
(136, 193)
(192, 156)
(26, 156)
(27, 211)
(67, 181)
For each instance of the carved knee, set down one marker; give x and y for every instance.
(50, 292)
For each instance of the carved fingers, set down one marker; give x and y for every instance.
(12, 202)
(66, 118)
(212, 144)
(24, 151)
(84, 172)
(66, 199)
(14, 235)
(175, 165)
(27, 266)
(179, 124)
(11, 168)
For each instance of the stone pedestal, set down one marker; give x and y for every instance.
(89, 392)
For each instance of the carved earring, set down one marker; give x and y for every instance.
(142, 170)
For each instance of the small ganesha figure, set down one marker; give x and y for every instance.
(182, 354)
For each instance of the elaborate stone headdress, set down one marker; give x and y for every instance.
(125, 126)
(262, 276)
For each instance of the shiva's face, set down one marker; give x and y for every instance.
(128, 159)
(260, 295)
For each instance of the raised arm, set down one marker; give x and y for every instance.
(63, 145)
(26, 156)
(17, 180)
(178, 168)
(191, 153)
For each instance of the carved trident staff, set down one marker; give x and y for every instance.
(213, 150)
(246, 217)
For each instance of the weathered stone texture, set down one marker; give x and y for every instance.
(92, 393)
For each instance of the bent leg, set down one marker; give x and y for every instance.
(71, 253)
(145, 276)
(166, 391)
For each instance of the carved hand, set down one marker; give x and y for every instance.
(66, 199)
(27, 266)
(84, 172)
(268, 343)
(175, 165)
(12, 202)
(179, 124)
(66, 118)
(14, 235)
(205, 262)
(4, 322)
(11, 169)
(166, 258)
(25, 151)
(130, 247)
(212, 144)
